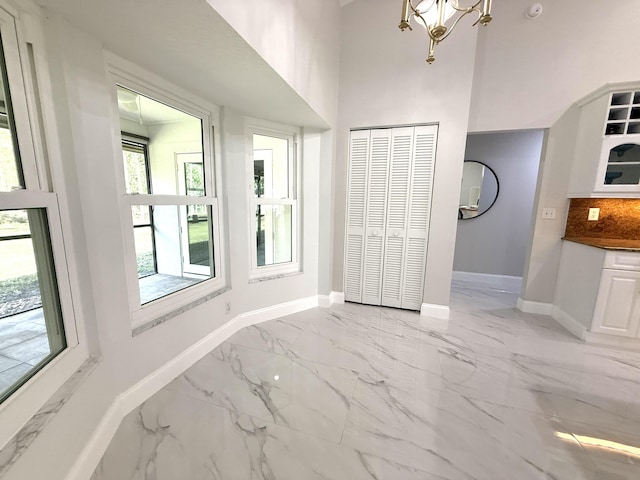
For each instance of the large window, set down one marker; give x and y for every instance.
(274, 203)
(32, 329)
(168, 199)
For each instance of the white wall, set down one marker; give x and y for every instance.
(298, 39)
(384, 80)
(83, 99)
(545, 247)
(497, 241)
(529, 72)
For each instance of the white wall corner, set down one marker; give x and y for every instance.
(436, 311)
(148, 386)
(568, 322)
(539, 308)
(324, 301)
(336, 297)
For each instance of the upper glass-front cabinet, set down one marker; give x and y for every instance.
(623, 165)
(606, 157)
(623, 116)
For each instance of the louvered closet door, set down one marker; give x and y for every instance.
(375, 220)
(356, 213)
(397, 207)
(421, 186)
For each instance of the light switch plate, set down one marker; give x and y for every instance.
(594, 214)
(549, 213)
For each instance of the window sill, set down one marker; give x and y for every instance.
(17, 445)
(143, 327)
(273, 276)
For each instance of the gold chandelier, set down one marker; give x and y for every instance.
(439, 17)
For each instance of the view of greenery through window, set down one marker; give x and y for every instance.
(19, 289)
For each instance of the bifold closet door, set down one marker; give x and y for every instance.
(419, 213)
(366, 214)
(397, 206)
(356, 210)
(388, 206)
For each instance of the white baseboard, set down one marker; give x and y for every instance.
(324, 301)
(148, 386)
(337, 297)
(327, 300)
(612, 340)
(435, 311)
(568, 322)
(501, 282)
(539, 308)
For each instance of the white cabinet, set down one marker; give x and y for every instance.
(606, 160)
(617, 310)
(598, 291)
(388, 209)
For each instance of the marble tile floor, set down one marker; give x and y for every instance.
(361, 392)
(23, 344)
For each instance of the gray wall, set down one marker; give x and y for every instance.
(496, 242)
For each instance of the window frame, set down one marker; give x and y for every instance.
(292, 135)
(129, 138)
(128, 75)
(35, 127)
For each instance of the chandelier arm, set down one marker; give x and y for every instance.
(467, 9)
(415, 10)
(479, 18)
(450, 29)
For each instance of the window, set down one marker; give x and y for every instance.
(169, 203)
(273, 203)
(136, 178)
(35, 320)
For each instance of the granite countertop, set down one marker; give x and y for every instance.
(607, 243)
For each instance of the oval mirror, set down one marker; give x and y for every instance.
(479, 190)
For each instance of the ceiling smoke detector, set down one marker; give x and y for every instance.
(534, 10)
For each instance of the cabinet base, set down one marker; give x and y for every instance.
(612, 341)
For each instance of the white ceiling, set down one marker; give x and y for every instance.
(145, 111)
(188, 43)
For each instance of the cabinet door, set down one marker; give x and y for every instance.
(617, 310)
(356, 213)
(619, 168)
(376, 215)
(418, 216)
(398, 200)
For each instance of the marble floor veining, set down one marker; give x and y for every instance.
(362, 392)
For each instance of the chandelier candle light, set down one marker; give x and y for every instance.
(434, 16)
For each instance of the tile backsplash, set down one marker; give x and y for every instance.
(619, 218)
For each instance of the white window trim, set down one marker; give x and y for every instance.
(124, 73)
(263, 127)
(35, 123)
